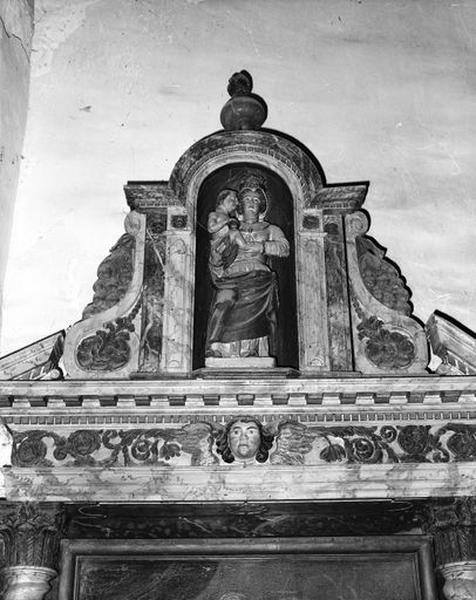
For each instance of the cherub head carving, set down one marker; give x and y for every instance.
(244, 439)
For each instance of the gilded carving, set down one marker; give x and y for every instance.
(111, 447)
(381, 277)
(246, 439)
(108, 349)
(452, 522)
(385, 348)
(293, 442)
(114, 276)
(31, 533)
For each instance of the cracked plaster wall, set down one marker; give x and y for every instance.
(16, 29)
(383, 91)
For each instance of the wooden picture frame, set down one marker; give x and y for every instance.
(359, 568)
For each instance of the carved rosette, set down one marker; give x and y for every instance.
(106, 343)
(387, 339)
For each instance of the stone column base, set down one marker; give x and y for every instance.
(26, 583)
(460, 580)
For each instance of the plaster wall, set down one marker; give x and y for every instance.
(16, 30)
(378, 91)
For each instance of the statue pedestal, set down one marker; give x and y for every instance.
(252, 367)
(242, 363)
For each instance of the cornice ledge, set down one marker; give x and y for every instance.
(177, 394)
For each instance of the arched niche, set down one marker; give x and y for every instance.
(280, 212)
(294, 167)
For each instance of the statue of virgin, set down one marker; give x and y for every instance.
(243, 315)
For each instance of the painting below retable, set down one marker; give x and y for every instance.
(260, 577)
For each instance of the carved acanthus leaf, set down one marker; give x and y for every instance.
(381, 277)
(452, 522)
(109, 348)
(114, 276)
(31, 533)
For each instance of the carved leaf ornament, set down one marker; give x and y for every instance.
(292, 443)
(108, 349)
(114, 276)
(381, 277)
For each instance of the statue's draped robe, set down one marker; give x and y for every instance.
(244, 306)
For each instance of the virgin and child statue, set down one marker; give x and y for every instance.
(242, 320)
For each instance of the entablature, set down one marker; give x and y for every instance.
(375, 393)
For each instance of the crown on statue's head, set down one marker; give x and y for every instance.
(253, 183)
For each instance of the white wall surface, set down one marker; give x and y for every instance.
(16, 30)
(379, 91)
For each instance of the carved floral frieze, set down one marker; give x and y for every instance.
(287, 443)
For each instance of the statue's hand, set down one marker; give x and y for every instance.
(233, 224)
(255, 247)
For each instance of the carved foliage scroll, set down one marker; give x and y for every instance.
(108, 349)
(191, 445)
(381, 277)
(290, 443)
(114, 276)
(387, 338)
(106, 342)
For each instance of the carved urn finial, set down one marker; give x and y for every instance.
(244, 110)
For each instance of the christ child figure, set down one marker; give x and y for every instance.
(225, 235)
